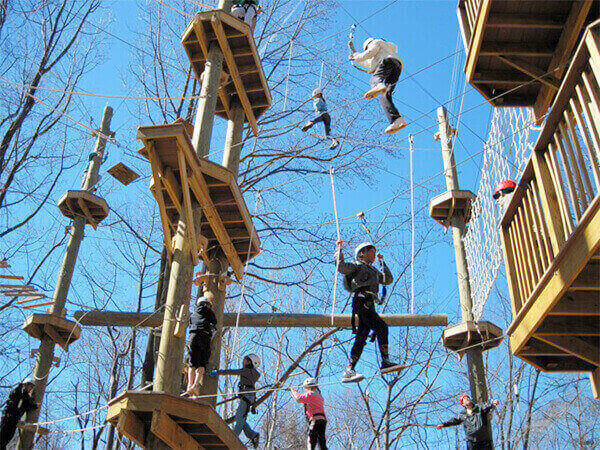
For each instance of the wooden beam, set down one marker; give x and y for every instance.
(558, 326)
(132, 427)
(588, 279)
(188, 212)
(56, 337)
(578, 304)
(11, 277)
(532, 71)
(574, 346)
(249, 320)
(515, 49)
(172, 434)
(523, 21)
(476, 38)
(158, 195)
(170, 184)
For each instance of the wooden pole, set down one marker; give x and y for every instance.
(46, 353)
(476, 368)
(257, 320)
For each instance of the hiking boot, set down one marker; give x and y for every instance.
(255, 440)
(334, 144)
(377, 90)
(388, 366)
(307, 126)
(350, 376)
(397, 125)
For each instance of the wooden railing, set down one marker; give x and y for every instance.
(560, 186)
(468, 10)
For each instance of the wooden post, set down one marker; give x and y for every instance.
(46, 354)
(475, 364)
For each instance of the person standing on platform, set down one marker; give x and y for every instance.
(476, 422)
(19, 401)
(249, 375)
(315, 413)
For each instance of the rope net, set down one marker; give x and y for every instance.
(505, 153)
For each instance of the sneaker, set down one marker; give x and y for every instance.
(388, 366)
(334, 144)
(255, 440)
(377, 90)
(307, 126)
(350, 376)
(397, 125)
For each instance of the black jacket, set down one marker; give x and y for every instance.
(203, 319)
(475, 424)
(363, 275)
(19, 402)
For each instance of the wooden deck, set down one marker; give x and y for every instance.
(550, 232)
(181, 179)
(446, 205)
(518, 51)
(83, 203)
(246, 81)
(62, 331)
(178, 422)
(459, 338)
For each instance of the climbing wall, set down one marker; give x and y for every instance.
(505, 153)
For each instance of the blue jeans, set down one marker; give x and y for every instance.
(240, 418)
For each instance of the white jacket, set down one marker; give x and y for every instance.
(376, 51)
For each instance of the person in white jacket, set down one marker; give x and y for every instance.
(379, 58)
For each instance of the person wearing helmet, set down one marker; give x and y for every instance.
(380, 60)
(321, 115)
(363, 280)
(246, 11)
(203, 325)
(249, 375)
(315, 412)
(19, 402)
(504, 192)
(476, 422)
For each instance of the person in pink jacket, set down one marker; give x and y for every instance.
(315, 413)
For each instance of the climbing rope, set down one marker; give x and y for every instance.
(412, 221)
(337, 227)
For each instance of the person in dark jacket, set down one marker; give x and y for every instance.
(203, 324)
(321, 115)
(249, 375)
(362, 279)
(19, 401)
(476, 422)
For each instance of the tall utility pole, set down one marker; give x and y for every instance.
(476, 368)
(46, 351)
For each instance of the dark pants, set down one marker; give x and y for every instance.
(486, 445)
(369, 320)
(316, 434)
(388, 72)
(326, 119)
(8, 426)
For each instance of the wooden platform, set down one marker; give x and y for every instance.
(519, 44)
(83, 203)
(180, 423)
(180, 177)
(444, 206)
(241, 61)
(467, 334)
(60, 330)
(123, 173)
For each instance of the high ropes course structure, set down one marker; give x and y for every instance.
(536, 67)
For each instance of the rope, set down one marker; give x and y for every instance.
(412, 220)
(337, 227)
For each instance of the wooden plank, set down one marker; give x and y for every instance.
(530, 70)
(588, 279)
(524, 21)
(524, 256)
(86, 212)
(33, 299)
(38, 305)
(568, 326)
(578, 304)
(515, 49)
(592, 125)
(577, 156)
(56, 337)
(11, 277)
(574, 346)
(476, 38)
(568, 170)
(170, 433)
(167, 177)
(518, 264)
(188, 212)
(21, 287)
(129, 425)
(511, 274)
(233, 71)
(533, 243)
(537, 218)
(592, 148)
(559, 186)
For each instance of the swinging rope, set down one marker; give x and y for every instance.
(412, 219)
(337, 227)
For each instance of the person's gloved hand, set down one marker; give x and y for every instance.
(213, 373)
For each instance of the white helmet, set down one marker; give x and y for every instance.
(310, 382)
(367, 42)
(360, 247)
(28, 381)
(254, 359)
(202, 299)
(317, 91)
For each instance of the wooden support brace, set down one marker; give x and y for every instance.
(56, 337)
(132, 427)
(172, 434)
(189, 213)
(532, 71)
(156, 168)
(86, 212)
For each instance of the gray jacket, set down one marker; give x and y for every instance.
(476, 425)
(364, 275)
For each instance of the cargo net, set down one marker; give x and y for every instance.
(505, 153)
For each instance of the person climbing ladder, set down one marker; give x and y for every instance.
(315, 413)
(363, 280)
(379, 58)
(476, 422)
(321, 115)
(246, 11)
(203, 324)
(249, 375)
(19, 401)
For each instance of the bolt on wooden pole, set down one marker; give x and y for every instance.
(46, 353)
(476, 368)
